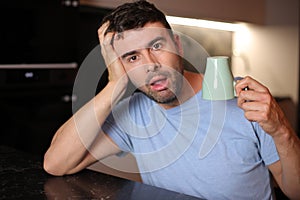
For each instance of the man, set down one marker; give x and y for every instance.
(165, 124)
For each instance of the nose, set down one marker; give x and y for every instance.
(152, 63)
(152, 67)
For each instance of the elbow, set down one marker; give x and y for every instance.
(53, 167)
(51, 170)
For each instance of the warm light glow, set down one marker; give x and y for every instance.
(241, 40)
(204, 23)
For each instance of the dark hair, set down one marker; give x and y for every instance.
(134, 15)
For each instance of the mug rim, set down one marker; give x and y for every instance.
(215, 57)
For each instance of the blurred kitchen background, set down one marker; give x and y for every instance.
(43, 43)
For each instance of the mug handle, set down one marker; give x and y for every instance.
(235, 81)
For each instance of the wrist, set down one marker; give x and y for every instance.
(106, 99)
(113, 92)
(284, 139)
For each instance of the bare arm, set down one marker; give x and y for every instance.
(80, 142)
(261, 107)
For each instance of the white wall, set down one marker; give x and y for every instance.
(270, 53)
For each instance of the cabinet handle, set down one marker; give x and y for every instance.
(69, 98)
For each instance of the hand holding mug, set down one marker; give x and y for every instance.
(259, 105)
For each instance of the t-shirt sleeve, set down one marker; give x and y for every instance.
(267, 146)
(115, 132)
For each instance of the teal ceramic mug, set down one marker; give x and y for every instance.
(218, 82)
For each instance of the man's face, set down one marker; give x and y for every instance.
(151, 59)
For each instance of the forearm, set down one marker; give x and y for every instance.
(259, 106)
(72, 141)
(288, 147)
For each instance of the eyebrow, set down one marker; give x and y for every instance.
(128, 54)
(148, 46)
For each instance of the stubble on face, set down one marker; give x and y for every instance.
(169, 94)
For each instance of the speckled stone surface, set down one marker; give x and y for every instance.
(22, 177)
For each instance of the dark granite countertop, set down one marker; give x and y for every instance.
(22, 177)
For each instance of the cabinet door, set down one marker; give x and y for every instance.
(29, 120)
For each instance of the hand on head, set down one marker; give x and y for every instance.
(114, 65)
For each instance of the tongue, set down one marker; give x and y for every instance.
(160, 85)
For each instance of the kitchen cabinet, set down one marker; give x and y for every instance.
(34, 107)
(252, 11)
(37, 32)
(35, 101)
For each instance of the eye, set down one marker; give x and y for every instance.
(157, 46)
(132, 58)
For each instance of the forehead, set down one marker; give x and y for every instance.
(135, 39)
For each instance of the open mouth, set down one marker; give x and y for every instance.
(159, 83)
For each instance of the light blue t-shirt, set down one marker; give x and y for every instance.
(201, 148)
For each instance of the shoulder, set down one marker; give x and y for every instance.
(136, 101)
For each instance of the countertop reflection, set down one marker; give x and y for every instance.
(22, 177)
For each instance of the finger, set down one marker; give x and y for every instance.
(107, 39)
(107, 49)
(254, 106)
(249, 83)
(255, 116)
(102, 29)
(254, 96)
(256, 111)
(109, 54)
(116, 71)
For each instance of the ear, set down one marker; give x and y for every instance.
(178, 44)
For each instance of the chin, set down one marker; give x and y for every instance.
(163, 99)
(166, 101)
